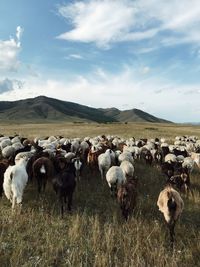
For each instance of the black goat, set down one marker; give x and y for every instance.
(64, 184)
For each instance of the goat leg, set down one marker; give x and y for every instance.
(69, 202)
(171, 226)
(61, 206)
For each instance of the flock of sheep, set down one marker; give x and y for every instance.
(61, 161)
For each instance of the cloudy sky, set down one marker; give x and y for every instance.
(127, 54)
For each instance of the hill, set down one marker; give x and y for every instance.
(132, 115)
(47, 109)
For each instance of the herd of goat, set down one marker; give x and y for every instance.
(61, 160)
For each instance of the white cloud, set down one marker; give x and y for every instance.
(97, 21)
(19, 32)
(9, 50)
(145, 70)
(105, 22)
(74, 56)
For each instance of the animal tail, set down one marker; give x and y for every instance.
(42, 169)
(171, 204)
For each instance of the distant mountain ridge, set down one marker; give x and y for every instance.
(44, 108)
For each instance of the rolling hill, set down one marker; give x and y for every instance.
(45, 109)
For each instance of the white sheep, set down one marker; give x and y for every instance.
(8, 151)
(113, 157)
(3, 138)
(75, 146)
(104, 162)
(15, 180)
(17, 145)
(188, 163)
(15, 139)
(170, 158)
(62, 141)
(162, 140)
(171, 205)
(127, 168)
(125, 156)
(52, 139)
(164, 144)
(196, 158)
(84, 146)
(27, 154)
(190, 147)
(5, 142)
(114, 178)
(136, 152)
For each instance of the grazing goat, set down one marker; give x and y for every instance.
(42, 171)
(15, 180)
(171, 205)
(181, 182)
(115, 177)
(126, 156)
(104, 162)
(92, 159)
(64, 184)
(126, 196)
(188, 163)
(196, 158)
(127, 168)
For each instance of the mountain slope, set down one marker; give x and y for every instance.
(43, 108)
(132, 115)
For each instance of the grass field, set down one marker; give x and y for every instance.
(95, 234)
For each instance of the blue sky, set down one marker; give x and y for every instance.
(104, 53)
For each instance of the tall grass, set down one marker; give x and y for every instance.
(95, 234)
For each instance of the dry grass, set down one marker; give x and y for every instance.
(145, 130)
(95, 234)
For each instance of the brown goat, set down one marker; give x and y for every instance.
(92, 160)
(181, 182)
(42, 171)
(126, 197)
(171, 205)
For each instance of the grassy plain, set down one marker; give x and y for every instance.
(94, 234)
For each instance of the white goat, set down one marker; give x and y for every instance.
(196, 158)
(104, 162)
(170, 158)
(127, 169)
(8, 151)
(126, 156)
(15, 180)
(188, 163)
(115, 177)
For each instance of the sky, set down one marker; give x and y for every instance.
(142, 54)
